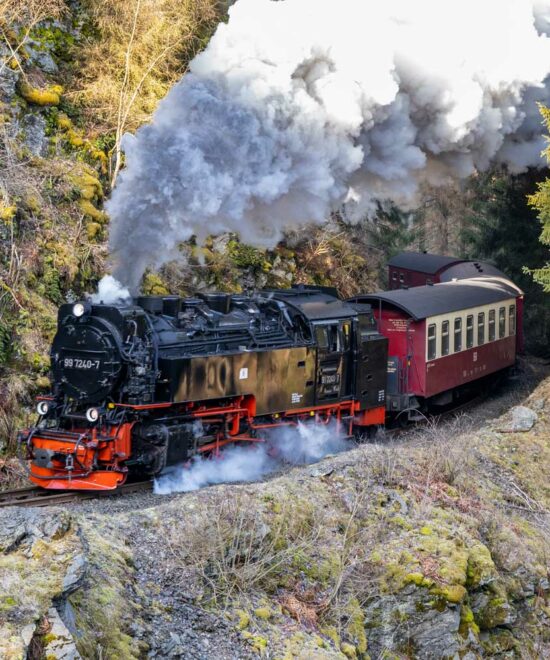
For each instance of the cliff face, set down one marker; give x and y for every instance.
(430, 545)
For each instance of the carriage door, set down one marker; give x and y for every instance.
(333, 343)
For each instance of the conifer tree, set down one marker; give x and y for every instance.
(541, 202)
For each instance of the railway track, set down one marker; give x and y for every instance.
(34, 496)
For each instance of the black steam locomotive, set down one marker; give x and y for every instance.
(141, 386)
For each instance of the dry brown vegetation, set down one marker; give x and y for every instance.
(144, 48)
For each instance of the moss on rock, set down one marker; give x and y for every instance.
(49, 96)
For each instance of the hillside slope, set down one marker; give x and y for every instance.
(431, 545)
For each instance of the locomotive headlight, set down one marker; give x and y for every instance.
(42, 408)
(79, 309)
(92, 415)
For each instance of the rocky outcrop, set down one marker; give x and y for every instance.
(42, 562)
(432, 548)
(64, 591)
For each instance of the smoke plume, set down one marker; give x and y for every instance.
(296, 446)
(300, 107)
(110, 291)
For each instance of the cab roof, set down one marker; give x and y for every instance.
(316, 304)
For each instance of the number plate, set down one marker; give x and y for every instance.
(80, 363)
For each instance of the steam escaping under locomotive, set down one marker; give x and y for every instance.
(149, 384)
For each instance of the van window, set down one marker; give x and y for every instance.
(458, 336)
(432, 350)
(469, 331)
(481, 328)
(501, 322)
(445, 338)
(512, 319)
(492, 324)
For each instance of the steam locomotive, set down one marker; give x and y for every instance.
(145, 385)
(142, 386)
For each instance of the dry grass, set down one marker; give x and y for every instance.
(234, 549)
(139, 51)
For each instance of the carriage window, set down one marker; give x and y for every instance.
(501, 322)
(458, 335)
(469, 331)
(401, 278)
(480, 328)
(394, 276)
(445, 338)
(512, 319)
(432, 350)
(492, 325)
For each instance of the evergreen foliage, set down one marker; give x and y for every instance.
(541, 202)
(500, 227)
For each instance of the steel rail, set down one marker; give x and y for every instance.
(36, 496)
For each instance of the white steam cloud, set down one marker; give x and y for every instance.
(300, 107)
(110, 291)
(295, 445)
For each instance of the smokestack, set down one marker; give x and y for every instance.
(301, 107)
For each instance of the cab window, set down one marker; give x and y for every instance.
(321, 336)
(445, 338)
(432, 346)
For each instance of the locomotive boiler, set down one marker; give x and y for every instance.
(141, 386)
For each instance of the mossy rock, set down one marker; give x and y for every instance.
(153, 285)
(49, 96)
(481, 568)
(356, 626)
(263, 613)
(491, 612)
(348, 650)
(498, 642)
(93, 230)
(92, 212)
(244, 619)
(7, 213)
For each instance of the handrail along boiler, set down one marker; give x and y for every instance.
(138, 387)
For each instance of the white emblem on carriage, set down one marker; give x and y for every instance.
(296, 398)
(475, 356)
(243, 373)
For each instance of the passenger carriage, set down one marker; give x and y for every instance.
(443, 338)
